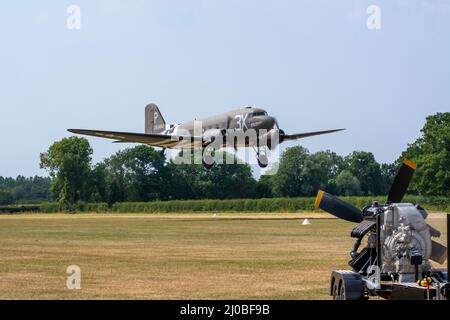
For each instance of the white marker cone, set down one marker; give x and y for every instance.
(306, 222)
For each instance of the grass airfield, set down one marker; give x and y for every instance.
(178, 256)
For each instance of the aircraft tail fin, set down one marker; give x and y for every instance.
(154, 121)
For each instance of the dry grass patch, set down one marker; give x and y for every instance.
(177, 257)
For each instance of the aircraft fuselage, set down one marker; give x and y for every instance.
(241, 119)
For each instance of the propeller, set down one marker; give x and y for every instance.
(337, 207)
(282, 136)
(348, 212)
(401, 181)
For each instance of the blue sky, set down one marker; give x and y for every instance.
(314, 64)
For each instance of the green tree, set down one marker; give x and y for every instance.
(290, 180)
(5, 197)
(227, 180)
(388, 172)
(133, 174)
(98, 184)
(114, 182)
(264, 186)
(320, 170)
(367, 170)
(346, 184)
(26, 190)
(69, 163)
(231, 181)
(187, 180)
(431, 153)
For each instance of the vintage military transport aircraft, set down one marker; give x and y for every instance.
(243, 127)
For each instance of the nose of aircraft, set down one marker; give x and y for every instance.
(264, 122)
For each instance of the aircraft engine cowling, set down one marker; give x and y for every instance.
(211, 135)
(272, 138)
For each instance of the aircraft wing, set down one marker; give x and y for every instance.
(296, 136)
(152, 139)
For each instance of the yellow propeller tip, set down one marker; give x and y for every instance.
(410, 164)
(318, 199)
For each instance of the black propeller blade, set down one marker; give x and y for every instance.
(337, 207)
(401, 181)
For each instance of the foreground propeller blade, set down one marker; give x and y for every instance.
(401, 181)
(337, 207)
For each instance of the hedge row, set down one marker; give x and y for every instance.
(19, 208)
(262, 205)
(237, 205)
(52, 207)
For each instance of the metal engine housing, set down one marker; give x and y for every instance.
(404, 233)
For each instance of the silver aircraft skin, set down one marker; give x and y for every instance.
(243, 127)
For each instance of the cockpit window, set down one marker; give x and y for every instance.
(259, 113)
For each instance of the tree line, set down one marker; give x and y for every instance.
(24, 190)
(141, 174)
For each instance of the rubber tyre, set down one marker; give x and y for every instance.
(209, 164)
(263, 161)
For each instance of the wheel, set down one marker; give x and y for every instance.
(263, 161)
(208, 161)
(347, 285)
